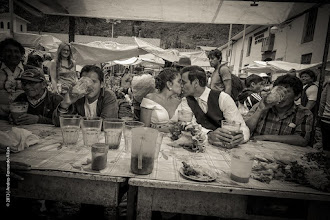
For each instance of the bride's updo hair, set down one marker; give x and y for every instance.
(166, 75)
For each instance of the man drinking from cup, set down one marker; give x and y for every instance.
(88, 98)
(277, 118)
(40, 102)
(210, 107)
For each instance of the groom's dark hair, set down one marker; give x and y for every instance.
(195, 72)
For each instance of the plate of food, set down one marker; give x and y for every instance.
(197, 173)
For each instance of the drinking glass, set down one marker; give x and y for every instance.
(184, 115)
(70, 125)
(113, 130)
(232, 126)
(241, 165)
(17, 109)
(91, 129)
(99, 156)
(128, 125)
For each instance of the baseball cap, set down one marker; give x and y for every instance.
(33, 74)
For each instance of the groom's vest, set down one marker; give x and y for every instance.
(212, 119)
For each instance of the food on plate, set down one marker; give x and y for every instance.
(83, 86)
(188, 135)
(276, 95)
(197, 173)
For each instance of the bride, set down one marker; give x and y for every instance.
(160, 108)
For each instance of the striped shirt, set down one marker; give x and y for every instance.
(297, 121)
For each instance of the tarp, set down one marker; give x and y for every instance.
(34, 41)
(280, 66)
(182, 11)
(101, 52)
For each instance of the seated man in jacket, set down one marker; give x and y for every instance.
(42, 103)
(282, 121)
(98, 102)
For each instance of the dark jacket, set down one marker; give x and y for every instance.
(107, 107)
(247, 93)
(43, 109)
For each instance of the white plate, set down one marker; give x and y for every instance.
(208, 177)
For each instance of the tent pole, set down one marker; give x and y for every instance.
(321, 80)
(11, 11)
(229, 39)
(242, 51)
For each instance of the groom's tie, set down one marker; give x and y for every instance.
(202, 104)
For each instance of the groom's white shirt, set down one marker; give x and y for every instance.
(226, 105)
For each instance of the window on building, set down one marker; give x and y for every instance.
(259, 36)
(1, 25)
(309, 26)
(8, 25)
(248, 52)
(306, 58)
(22, 28)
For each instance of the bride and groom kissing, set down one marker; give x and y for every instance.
(208, 107)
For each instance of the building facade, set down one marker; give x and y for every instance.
(20, 24)
(300, 40)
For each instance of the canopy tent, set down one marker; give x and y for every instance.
(278, 68)
(182, 11)
(101, 52)
(35, 41)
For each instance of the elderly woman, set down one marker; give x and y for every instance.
(159, 108)
(63, 69)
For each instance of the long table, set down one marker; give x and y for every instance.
(58, 172)
(61, 173)
(168, 191)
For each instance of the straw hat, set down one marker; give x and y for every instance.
(183, 61)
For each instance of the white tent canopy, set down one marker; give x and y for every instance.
(182, 11)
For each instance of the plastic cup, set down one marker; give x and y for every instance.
(113, 129)
(99, 156)
(70, 125)
(184, 115)
(241, 165)
(232, 126)
(17, 109)
(91, 129)
(128, 125)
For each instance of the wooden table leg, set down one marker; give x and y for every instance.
(131, 202)
(144, 204)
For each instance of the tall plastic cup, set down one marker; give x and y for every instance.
(70, 125)
(241, 165)
(113, 129)
(91, 129)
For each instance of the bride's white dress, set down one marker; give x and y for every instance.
(159, 115)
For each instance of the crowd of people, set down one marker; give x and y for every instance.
(156, 99)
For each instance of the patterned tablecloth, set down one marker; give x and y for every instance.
(49, 154)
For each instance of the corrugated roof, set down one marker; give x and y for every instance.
(87, 38)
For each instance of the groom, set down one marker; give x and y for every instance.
(210, 107)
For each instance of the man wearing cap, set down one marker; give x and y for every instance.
(183, 62)
(41, 102)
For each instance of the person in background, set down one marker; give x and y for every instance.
(42, 103)
(141, 86)
(183, 62)
(292, 72)
(63, 70)
(250, 95)
(285, 121)
(210, 107)
(34, 60)
(310, 88)
(324, 113)
(97, 103)
(222, 79)
(11, 67)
